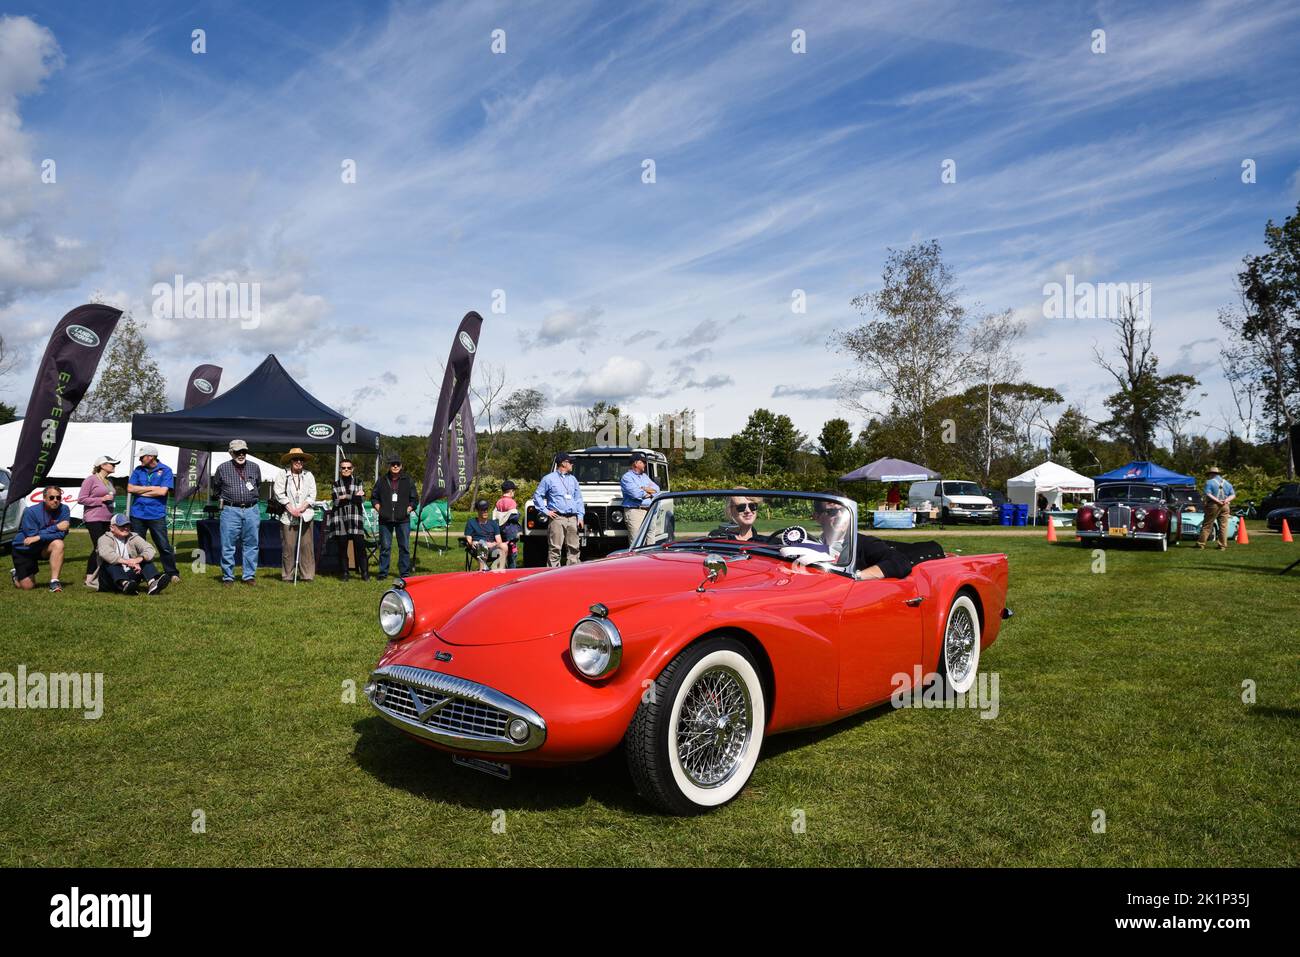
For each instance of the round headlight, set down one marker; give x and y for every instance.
(596, 647)
(1140, 515)
(616, 516)
(396, 613)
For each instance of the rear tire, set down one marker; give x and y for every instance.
(959, 655)
(694, 740)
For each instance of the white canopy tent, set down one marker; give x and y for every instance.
(1049, 480)
(86, 441)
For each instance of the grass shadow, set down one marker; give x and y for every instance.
(401, 762)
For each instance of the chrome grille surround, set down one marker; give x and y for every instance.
(451, 711)
(1117, 516)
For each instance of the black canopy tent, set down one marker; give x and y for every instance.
(267, 409)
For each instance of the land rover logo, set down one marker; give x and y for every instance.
(83, 336)
(467, 342)
(320, 430)
(204, 386)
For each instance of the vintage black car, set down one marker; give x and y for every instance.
(1292, 516)
(1284, 496)
(1130, 511)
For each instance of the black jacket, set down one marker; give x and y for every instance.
(381, 496)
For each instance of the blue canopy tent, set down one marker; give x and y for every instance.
(1146, 472)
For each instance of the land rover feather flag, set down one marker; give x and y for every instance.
(192, 464)
(62, 379)
(449, 466)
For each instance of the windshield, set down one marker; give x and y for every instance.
(595, 469)
(962, 488)
(1129, 493)
(804, 527)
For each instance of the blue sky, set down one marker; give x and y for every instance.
(522, 172)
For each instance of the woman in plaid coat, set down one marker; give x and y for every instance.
(346, 522)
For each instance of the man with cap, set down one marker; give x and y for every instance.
(150, 484)
(295, 490)
(559, 497)
(483, 538)
(235, 485)
(1219, 494)
(638, 489)
(40, 535)
(394, 500)
(126, 561)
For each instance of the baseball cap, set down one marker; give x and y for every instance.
(147, 450)
(121, 521)
(394, 460)
(105, 460)
(638, 456)
(508, 486)
(563, 457)
(237, 445)
(481, 505)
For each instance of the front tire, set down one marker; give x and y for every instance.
(959, 655)
(695, 738)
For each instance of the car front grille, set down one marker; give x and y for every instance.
(457, 716)
(452, 711)
(1117, 516)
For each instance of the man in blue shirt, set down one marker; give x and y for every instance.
(1219, 494)
(559, 497)
(149, 486)
(40, 535)
(638, 489)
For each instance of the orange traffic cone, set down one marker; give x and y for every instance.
(1243, 537)
(1051, 529)
(1286, 532)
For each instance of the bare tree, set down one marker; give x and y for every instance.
(486, 386)
(993, 360)
(912, 352)
(521, 408)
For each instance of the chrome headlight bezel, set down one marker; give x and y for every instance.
(405, 608)
(602, 635)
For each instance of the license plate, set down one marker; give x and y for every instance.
(1118, 532)
(495, 768)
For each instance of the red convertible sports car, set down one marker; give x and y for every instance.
(734, 615)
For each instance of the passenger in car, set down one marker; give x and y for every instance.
(875, 558)
(743, 512)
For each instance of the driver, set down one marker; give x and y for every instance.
(743, 512)
(875, 558)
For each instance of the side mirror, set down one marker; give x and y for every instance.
(715, 567)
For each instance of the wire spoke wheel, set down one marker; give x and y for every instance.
(960, 656)
(714, 727)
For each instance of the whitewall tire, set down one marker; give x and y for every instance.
(959, 654)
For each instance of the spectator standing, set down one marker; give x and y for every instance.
(1219, 494)
(96, 497)
(394, 499)
(347, 519)
(638, 489)
(235, 485)
(560, 498)
(40, 535)
(150, 484)
(295, 490)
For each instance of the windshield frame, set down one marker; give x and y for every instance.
(728, 546)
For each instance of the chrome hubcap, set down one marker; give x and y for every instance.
(959, 645)
(713, 727)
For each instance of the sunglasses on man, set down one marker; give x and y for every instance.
(53, 498)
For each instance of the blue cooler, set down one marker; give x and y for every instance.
(1006, 514)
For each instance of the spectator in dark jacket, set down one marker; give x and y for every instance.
(394, 499)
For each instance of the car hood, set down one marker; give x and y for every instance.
(552, 601)
(969, 500)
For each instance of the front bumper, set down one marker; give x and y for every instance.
(1130, 536)
(452, 712)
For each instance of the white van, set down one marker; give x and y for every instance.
(955, 500)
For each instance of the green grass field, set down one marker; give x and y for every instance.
(1119, 692)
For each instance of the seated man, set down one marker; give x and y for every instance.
(875, 558)
(126, 561)
(483, 537)
(40, 535)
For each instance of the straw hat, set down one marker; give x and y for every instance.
(296, 453)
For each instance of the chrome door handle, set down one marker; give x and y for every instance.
(913, 602)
